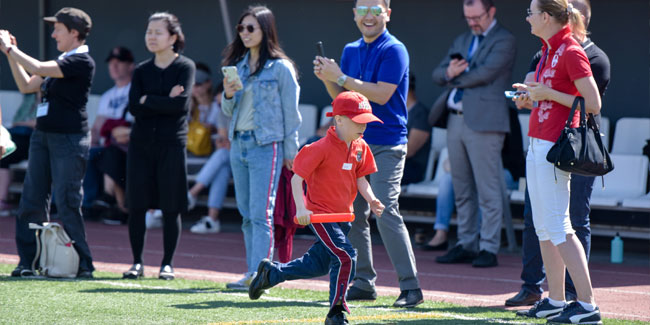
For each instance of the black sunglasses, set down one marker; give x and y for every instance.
(240, 28)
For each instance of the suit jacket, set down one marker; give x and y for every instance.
(485, 108)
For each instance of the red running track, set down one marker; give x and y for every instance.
(622, 291)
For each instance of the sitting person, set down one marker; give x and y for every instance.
(216, 173)
(112, 106)
(419, 137)
(112, 164)
(513, 162)
(203, 113)
(22, 127)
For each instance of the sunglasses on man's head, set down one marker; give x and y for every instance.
(374, 10)
(240, 28)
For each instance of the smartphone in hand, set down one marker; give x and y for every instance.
(319, 49)
(456, 56)
(514, 94)
(230, 72)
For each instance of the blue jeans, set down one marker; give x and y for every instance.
(216, 173)
(94, 179)
(533, 273)
(446, 202)
(256, 171)
(56, 161)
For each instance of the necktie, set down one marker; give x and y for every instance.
(472, 49)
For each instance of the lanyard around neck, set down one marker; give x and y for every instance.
(541, 65)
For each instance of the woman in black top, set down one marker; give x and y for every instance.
(157, 178)
(59, 146)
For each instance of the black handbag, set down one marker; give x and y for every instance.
(580, 150)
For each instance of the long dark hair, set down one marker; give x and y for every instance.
(173, 27)
(270, 46)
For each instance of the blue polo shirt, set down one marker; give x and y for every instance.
(385, 59)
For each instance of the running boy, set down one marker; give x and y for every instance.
(334, 168)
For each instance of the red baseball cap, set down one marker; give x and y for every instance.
(353, 105)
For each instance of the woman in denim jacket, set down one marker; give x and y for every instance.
(263, 130)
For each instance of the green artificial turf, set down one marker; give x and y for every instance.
(108, 299)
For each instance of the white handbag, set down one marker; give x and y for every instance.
(58, 257)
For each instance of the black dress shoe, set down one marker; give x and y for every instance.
(166, 272)
(336, 319)
(85, 274)
(524, 298)
(355, 293)
(456, 255)
(136, 271)
(261, 280)
(409, 298)
(485, 259)
(440, 247)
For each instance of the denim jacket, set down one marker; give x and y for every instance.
(275, 104)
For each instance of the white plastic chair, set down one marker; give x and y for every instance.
(429, 188)
(627, 181)
(630, 135)
(309, 114)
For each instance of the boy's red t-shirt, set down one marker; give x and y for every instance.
(561, 65)
(331, 169)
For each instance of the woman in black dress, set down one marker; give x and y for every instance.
(159, 100)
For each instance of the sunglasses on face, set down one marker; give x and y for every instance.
(240, 28)
(374, 10)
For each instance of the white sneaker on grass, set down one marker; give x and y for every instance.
(243, 283)
(206, 226)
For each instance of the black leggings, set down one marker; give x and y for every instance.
(171, 234)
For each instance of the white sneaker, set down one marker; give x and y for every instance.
(206, 226)
(191, 201)
(153, 219)
(243, 283)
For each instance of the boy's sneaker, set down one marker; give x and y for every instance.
(541, 309)
(260, 281)
(206, 226)
(574, 313)
(243, 283)
(153, 219)
(191, 201)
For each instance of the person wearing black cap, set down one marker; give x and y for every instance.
(59, 146)
(112, 108)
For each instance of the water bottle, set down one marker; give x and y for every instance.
(617, 249)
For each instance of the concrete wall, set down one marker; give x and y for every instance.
(427, 27)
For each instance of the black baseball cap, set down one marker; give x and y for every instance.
(121, 54)
(72, 18)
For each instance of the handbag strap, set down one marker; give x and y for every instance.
(578, 101)
(591, 123)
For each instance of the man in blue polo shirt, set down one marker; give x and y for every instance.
(377, 65)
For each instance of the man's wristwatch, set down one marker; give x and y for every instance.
(341, 80)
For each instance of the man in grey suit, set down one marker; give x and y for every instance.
(475, 72)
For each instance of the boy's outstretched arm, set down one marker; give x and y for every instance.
(302, 213)
(365, 190)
